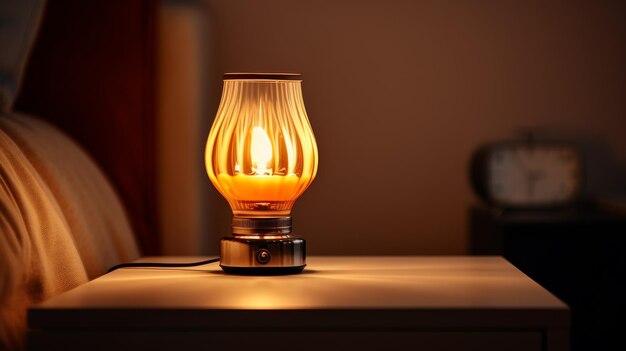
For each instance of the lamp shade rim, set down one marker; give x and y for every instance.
(262, 76)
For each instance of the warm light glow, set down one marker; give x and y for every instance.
(261, 153)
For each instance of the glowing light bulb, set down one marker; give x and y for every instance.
(260, 151)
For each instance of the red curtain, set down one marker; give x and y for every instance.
(92, 74)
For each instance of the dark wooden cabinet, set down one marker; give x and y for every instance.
(578, 254)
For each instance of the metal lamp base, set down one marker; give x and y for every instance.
(262, 254)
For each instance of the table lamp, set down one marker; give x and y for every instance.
(261, 156)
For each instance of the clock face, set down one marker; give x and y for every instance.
(532, 175)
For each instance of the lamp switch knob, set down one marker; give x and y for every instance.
(263, 256)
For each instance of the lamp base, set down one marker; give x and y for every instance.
(262, 270)
(262, 254)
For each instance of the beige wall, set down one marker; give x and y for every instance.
(182, 120)
(400, 93)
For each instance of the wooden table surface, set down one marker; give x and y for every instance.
(333, 293)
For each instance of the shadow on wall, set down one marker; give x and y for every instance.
(605, 175)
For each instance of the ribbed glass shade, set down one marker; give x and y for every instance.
(261, 153)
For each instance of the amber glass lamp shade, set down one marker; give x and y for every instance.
(261, 154)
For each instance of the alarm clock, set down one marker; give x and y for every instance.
(528, 174)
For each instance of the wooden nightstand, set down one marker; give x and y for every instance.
(371, 303)
(578, 254)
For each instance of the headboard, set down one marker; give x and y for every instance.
(92, 74)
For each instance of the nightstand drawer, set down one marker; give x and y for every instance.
(361, 340)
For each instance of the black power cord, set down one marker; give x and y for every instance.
(159, 264)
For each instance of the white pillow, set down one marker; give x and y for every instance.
(61, 222)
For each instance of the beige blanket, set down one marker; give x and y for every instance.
(61, 222)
